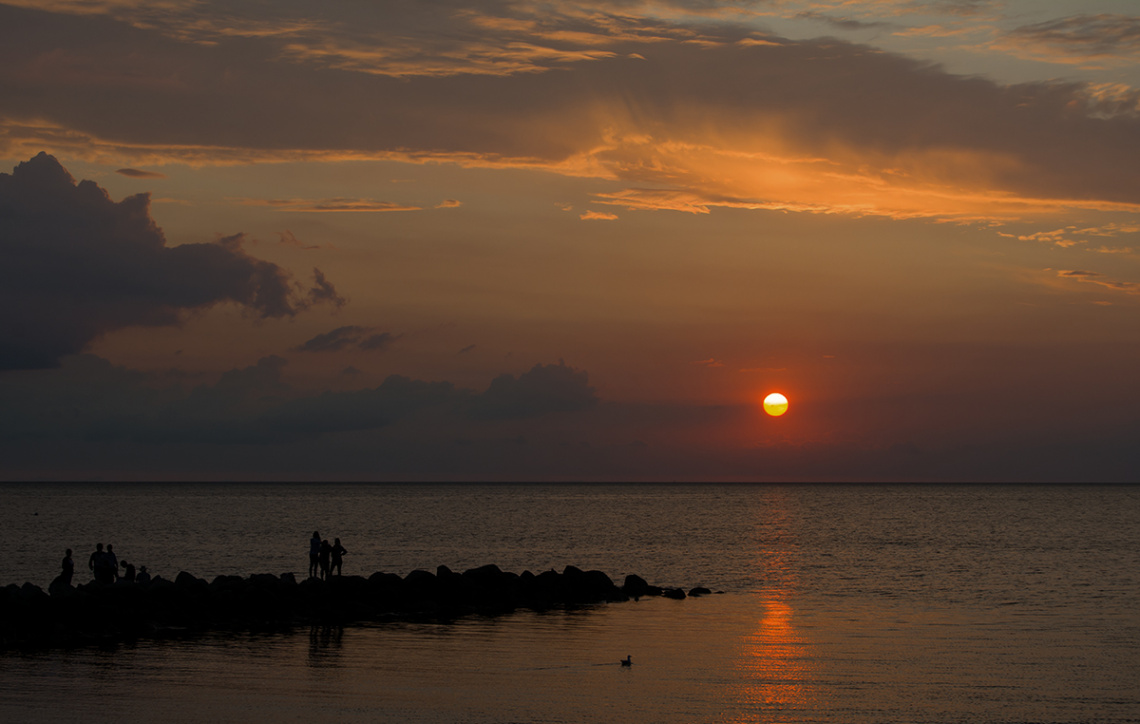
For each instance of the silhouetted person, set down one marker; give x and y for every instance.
(323, 558)
(67, 568)
(111, 561)
(337, 553)
(143, 576)
(128, 572)
(314, 553)
(95, 563)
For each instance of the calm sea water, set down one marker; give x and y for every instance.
(841, 604)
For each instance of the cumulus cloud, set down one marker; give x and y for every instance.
(75, 265)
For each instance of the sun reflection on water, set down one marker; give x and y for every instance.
(775, 668)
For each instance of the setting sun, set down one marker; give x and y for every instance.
(775, 404)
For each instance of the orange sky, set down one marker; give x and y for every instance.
(492, 240)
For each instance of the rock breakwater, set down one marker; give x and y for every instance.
(105, 613)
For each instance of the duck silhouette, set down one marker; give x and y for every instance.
(627, 661)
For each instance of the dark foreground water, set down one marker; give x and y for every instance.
(842, 604)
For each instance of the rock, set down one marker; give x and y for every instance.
(699, 591)
(675, 593)
(59, 588)
(635, 586)
(98, 612)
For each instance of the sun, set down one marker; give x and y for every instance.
(775, 404)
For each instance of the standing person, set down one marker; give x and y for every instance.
(95, 563)
(67, 568)
(326, 551)
(338, 552)
(111, 562)
(314, 553)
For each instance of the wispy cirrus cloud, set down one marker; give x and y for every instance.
(138, 173)
(366, 339)
(1099, 279)
(1073, 235)
(1100, 39)
(597, 216)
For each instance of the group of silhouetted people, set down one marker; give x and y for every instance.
(104, 565)
(325, 558)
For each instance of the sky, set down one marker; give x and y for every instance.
(519, 240)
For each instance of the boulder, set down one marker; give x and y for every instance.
(635, 586)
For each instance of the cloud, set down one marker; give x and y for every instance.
(377, 342)
(466, 349)
(710, 115)
(597, 216)
(287, 238)
(136, 173)
(1107, 38)
(88, 398)
(75, 265)
(1100, 280)
(840, 22)
(324, 291)
(333, 341)
(543, 389)
(449, 204)
(330, 205)
(1073, 235)
(345, 337)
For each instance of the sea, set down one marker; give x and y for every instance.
(832, 603)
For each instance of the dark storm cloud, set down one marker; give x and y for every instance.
(75, 265)
(590, 85)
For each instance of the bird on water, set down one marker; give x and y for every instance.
(627, 661)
